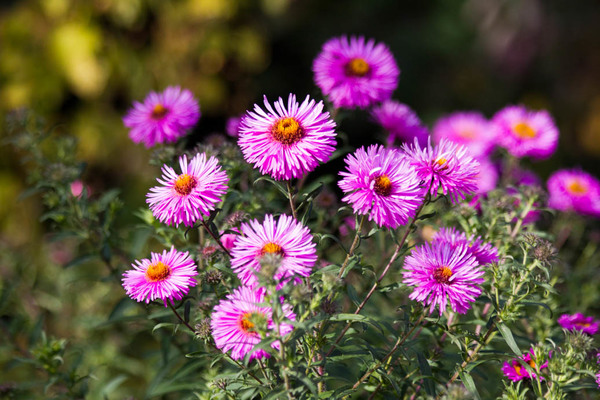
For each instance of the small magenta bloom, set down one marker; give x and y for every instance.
(380, 183)
(574, 190)
(400, 122)
(162, 117)
(526, 133)
(287, 238)
(236, 321)
(515, 371)
(165, 276)
(447, 166)
(487, 177)
(232, 127)
(579, 322)
(484, 253)
(355, 73)
(287, 142)
(184, 198)
(470, 129)
(442, 272)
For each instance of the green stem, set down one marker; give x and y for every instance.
(353, 246)
(211, 233)
(291, 198)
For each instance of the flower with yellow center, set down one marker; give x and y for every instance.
(523, 130)
(158, 272)
(442, 275)
(357, 67)
(159, 111)
(383, 185)
(272, 248)
(287, 131)
(246, 323)
(184, 184)
(576, 188)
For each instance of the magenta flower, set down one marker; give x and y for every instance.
(515, 371)
(487, 177)
(574, 190)
(165, 276)
(380, 183)
(400, 122)
(232, 127)
(579, 322)
(287, 142)
(526, 133)
(184, 198)
(355, 73)
(236, 321)
(286, 237)
(228, 239)
(442, 272)
(162, 117)
(470, 129)
(447, 166)
(484, 253)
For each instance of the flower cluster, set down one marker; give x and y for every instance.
(579, 322)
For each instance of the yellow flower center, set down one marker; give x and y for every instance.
(441, 161)
(576, 188)
(531, 363)
(466, 134)
(524, 131)
(272, 248)
(383, 185)
(185, 184)
(287, 131)
(442, 274)
(357, 67)
(158, 272)
(517, 367)
(159, 111)
(245, 324)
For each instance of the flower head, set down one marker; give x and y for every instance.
(574, 190)
(470, 129)
(526, 133)
(442, 272)
(579, 322)
(400, 122)
(287, 142)
(164, 276)
(355, 73)
(162, 117)
(484, 253)
(286, 238)
(515, 371)
(236, 323)
(232, 126)
(184, 198)
(487, 177)
(380, 183)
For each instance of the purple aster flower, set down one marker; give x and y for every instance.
(442, 272)
(470, 129)
(165, 276)
(400, 122)
(447, 166)
(236, 322)
(355, 73)
(484, 253)
(487, 177)
(526, 133)
(232, 127)
(579, 322)
(515, 371)
(287, 142)
(287, 238)
(380, 183)
(574, 190)
(184, 198)
(162, 117)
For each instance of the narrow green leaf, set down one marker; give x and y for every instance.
(467, 380)
(508, 337)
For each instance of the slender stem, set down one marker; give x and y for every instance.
(353, 246)
(522, 217)
(291, 198)
(211, 233)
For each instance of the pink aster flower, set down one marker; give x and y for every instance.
(574, 190)
(400, 122)
(447, 166)
(470, 129)
(355, 73)
(184, 198)
(165, 276)
(287, 142)
(484, 253)
(236, 323)
(380, 183)
(232, 127)
(526, 133)
(487, 177)
(515, 371)
(287, 238)
(579, 322)
(443, 272)
(228, 239)
(162, 117)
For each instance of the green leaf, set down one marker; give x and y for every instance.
(467, 380)
(348, 317)
(426, 371)
(163, 325)
(508, 337)
(273, 182)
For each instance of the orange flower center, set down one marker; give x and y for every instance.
(517, 367)
(441, 161)
(442, 274)
(272, 248)
(287, 131)
(466, 134)
(158, 272)
(531, 363)
(524, 131)
(383, 185)
(357, 67)
(245, 324)
(159, 111)
(576, 188)
(185, 184)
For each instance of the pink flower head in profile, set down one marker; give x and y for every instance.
(287, 238)
(484, 253)
(470, 129)
(487, 177)
(447, 166)
(442, 272)
(574, 190)
(380, 183)
(162, 117)
(287, 142)
(228, 239)
(526, 133)
(184, 198)
(400, 122)
(236, 321)
(164, 276)
(579, 322)
(232, 127)
(355, 73)
(515, 371)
